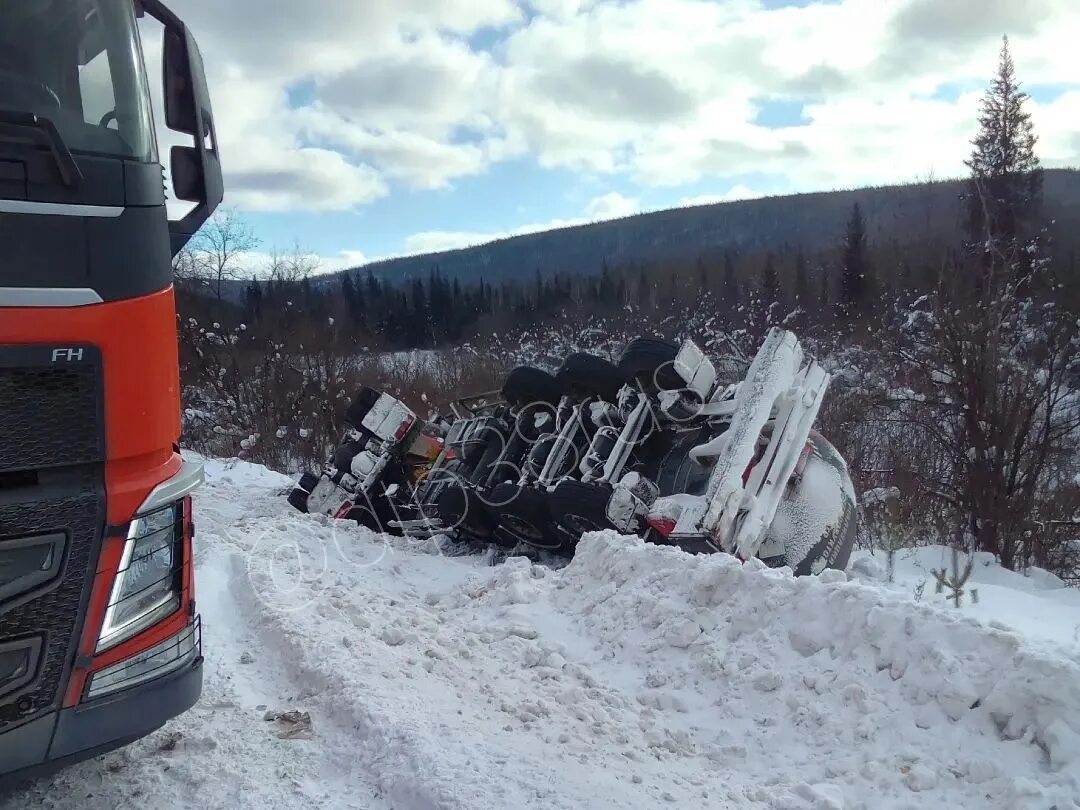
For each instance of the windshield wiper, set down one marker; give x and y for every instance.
(69, 170)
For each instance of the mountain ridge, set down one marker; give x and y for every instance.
(810, 221)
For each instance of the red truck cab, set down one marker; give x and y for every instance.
(100, 640)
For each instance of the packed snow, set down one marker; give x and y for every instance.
(351, 670)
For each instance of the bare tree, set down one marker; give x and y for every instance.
(290, 268)
(215, 256)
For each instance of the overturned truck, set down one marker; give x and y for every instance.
(652, 445)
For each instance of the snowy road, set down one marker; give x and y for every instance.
(637, 677)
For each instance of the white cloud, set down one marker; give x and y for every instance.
(1059, 126)
(427, 84)
(397, 94)
(607, 206)
(736, 192)
(256, 263)
(271, 178)
(396, 83)
(418, 160)
(560, 9)
(436, 241)
(612, 205)
(343, 261)
(699, 69)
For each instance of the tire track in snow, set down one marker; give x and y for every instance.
(283, 573)
(351, 735)
(221, 754)
(323, 769)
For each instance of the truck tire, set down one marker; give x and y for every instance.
(837, 541)
(362, 403)
(460, 508)
(529, 425)
(525, 384)
(650, 361)
(298, 499)
(523, 516)
(375, 516)
(586, 375)
(579, 507)
(344, 455)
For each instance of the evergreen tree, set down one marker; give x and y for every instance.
(419, 327)
(254, 300)
(770, 282)
(802, 283)
(990, 354)
(645, 290)
(903, 281)
(731, 292)
(356, 299)
(605, 292)
(1005, 188)
(854, 269)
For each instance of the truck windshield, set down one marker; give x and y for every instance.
(78, 63)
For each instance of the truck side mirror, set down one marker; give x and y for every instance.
(195, 170)
(186, 170)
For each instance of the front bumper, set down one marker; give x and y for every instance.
(96, 727)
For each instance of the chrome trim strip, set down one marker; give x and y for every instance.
(183, 483)
(59, 209)
(48, 297)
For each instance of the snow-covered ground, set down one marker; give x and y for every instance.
(636, 677)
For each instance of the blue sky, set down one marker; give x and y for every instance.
(360, 129)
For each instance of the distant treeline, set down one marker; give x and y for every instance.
(855, 276)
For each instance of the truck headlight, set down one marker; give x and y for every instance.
(161, 659)
(148, 584)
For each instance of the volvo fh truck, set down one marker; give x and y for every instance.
(100, 639)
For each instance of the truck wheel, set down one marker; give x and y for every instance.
(530, 424)
(298, 499)
(522, 514)
(461, 508)
(650, 361)
(589, 376)
(366, 517)
(375, 516)
(526, 384)
(362, 403)
(832, 547)
(579, 507)
(344, 455)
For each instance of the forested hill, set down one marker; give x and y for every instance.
(806, 221)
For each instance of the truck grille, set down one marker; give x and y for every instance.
(52, 518)
(50, 416)
(51, 610)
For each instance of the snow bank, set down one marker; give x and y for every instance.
(916, 676)
(637, 676)
(1035, 604)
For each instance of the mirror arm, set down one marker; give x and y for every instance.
(160, 12)
(181, 231)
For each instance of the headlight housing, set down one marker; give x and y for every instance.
(149, 581)
(161, 659)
